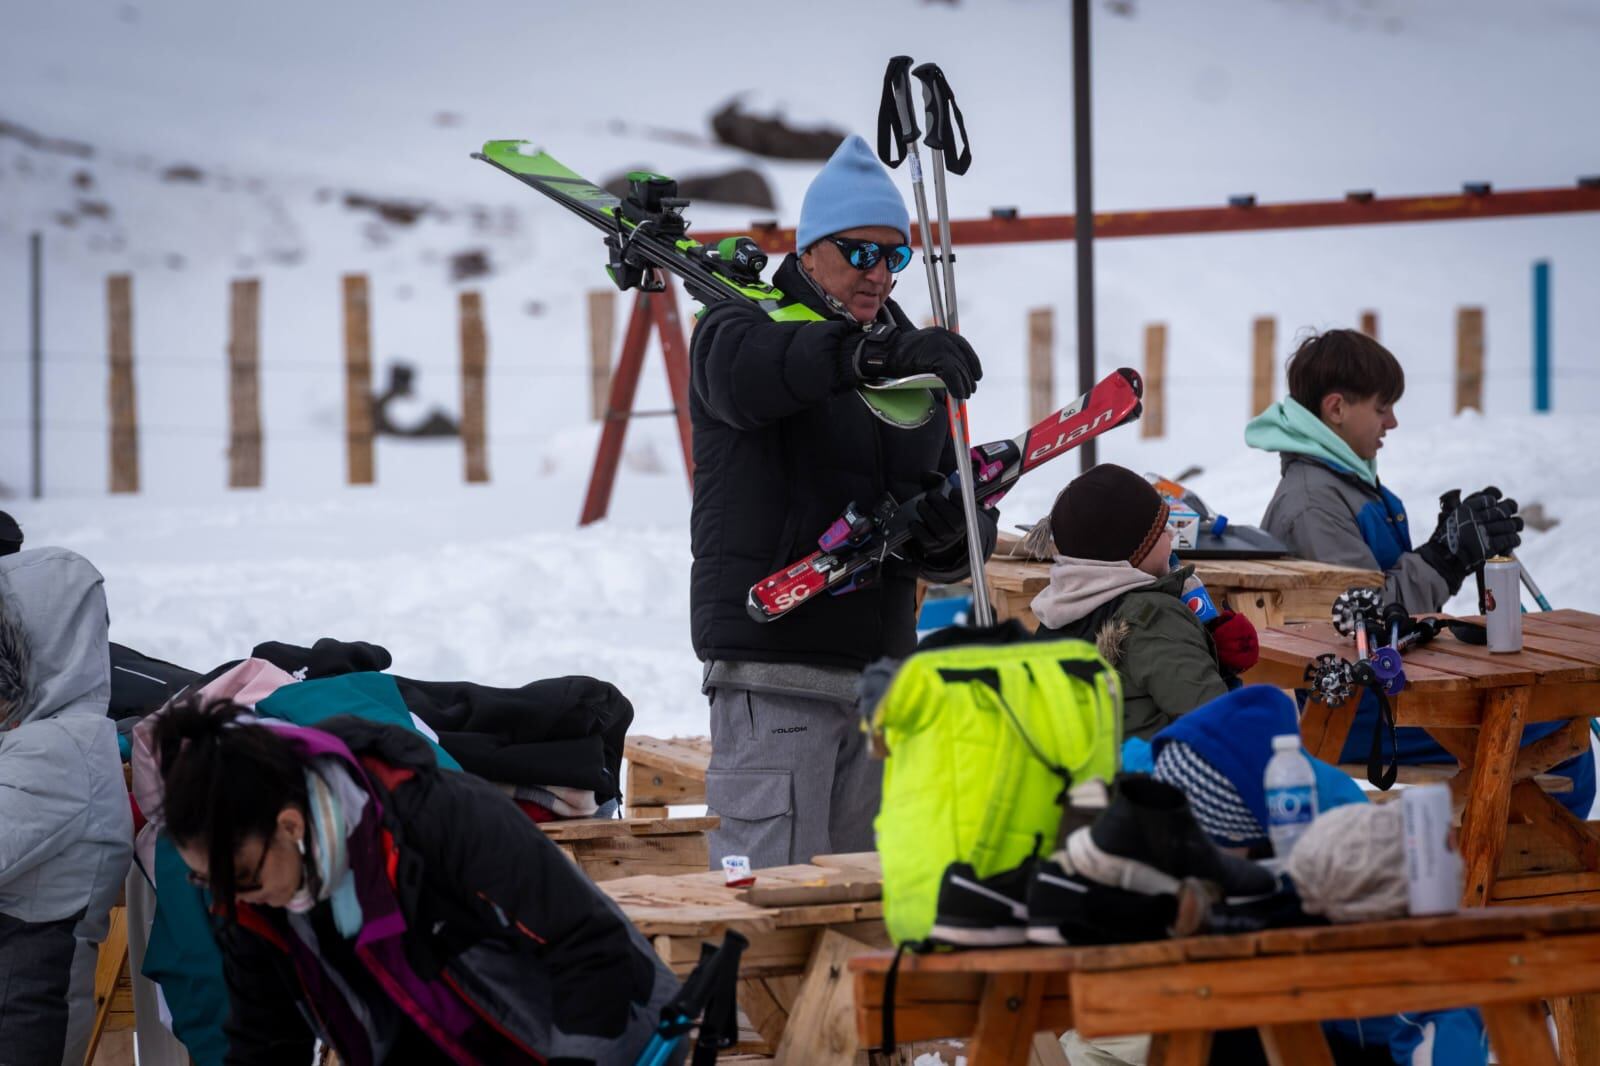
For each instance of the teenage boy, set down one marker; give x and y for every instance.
(1331, 507)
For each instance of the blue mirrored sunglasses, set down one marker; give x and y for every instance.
(864, 255)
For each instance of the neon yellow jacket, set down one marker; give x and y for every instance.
(981, 739)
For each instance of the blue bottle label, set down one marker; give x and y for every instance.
(1199, 601)
(1291, 806)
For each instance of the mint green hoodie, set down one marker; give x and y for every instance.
(1288, 427)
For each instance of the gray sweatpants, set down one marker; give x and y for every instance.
(790, 777)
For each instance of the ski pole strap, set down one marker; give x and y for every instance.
(890, 980)
(897, 125)
(944, 119)
(1383, 777)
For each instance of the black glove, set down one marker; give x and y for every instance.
(1469, 532)
(940, 525)
(922, 351)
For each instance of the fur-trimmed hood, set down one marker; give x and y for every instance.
(1110, 638)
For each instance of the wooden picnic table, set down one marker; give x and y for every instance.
(1518, 844)
(802, 922)
(1269, 591)
(1281, 982)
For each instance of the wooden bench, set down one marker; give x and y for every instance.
(1281, 982)
(609, 848)
(803, 922)
(664, 772)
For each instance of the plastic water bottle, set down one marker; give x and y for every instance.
(1291, 787)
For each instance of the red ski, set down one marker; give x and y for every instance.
(861, 539)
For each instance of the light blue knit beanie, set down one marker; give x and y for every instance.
(852, 189)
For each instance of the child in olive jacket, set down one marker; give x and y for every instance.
(1113, 585)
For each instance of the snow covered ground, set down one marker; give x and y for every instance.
(495, 585)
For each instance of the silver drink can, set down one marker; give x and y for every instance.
(1502, 577)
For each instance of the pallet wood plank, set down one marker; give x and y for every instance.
(1046, 1049)
(1301, 1044)
(1008, 1016)
(1518, 1035)
(1283, 989)
(822, 1026)
(1324, 729)
(1577, 1021)
(598, 828)
(679, 754)
(1489, 800)
(765, 1013)
(1192, 1047)
(1529, 851)
(1554, 821)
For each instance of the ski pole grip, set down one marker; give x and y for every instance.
(944, 119)
(897, 123)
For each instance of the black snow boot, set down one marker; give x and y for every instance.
(1148, 839)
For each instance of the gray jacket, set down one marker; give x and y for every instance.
(1333, 516)
(66, 831)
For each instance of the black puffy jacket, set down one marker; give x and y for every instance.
(489, 903)
(782, 444)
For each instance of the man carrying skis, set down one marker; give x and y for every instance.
(782, 444)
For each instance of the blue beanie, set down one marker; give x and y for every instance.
(852, 189)
(1226, 745)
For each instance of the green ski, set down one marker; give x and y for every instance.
(647, 236)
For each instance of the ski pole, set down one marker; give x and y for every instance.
(939, 135)
(897, 95)
(1533, 587)
(902, 125)
(944, 119)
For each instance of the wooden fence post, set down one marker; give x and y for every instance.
(602, 330)
(244, 394)
(1262, 377)
(1469, 358)
(474, 362)
(1369, 324)
(1041, 363)
(357, 381)
(124, 411)
(1154, 421)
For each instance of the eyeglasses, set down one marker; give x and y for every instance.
(864, 255)
(240, 886)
